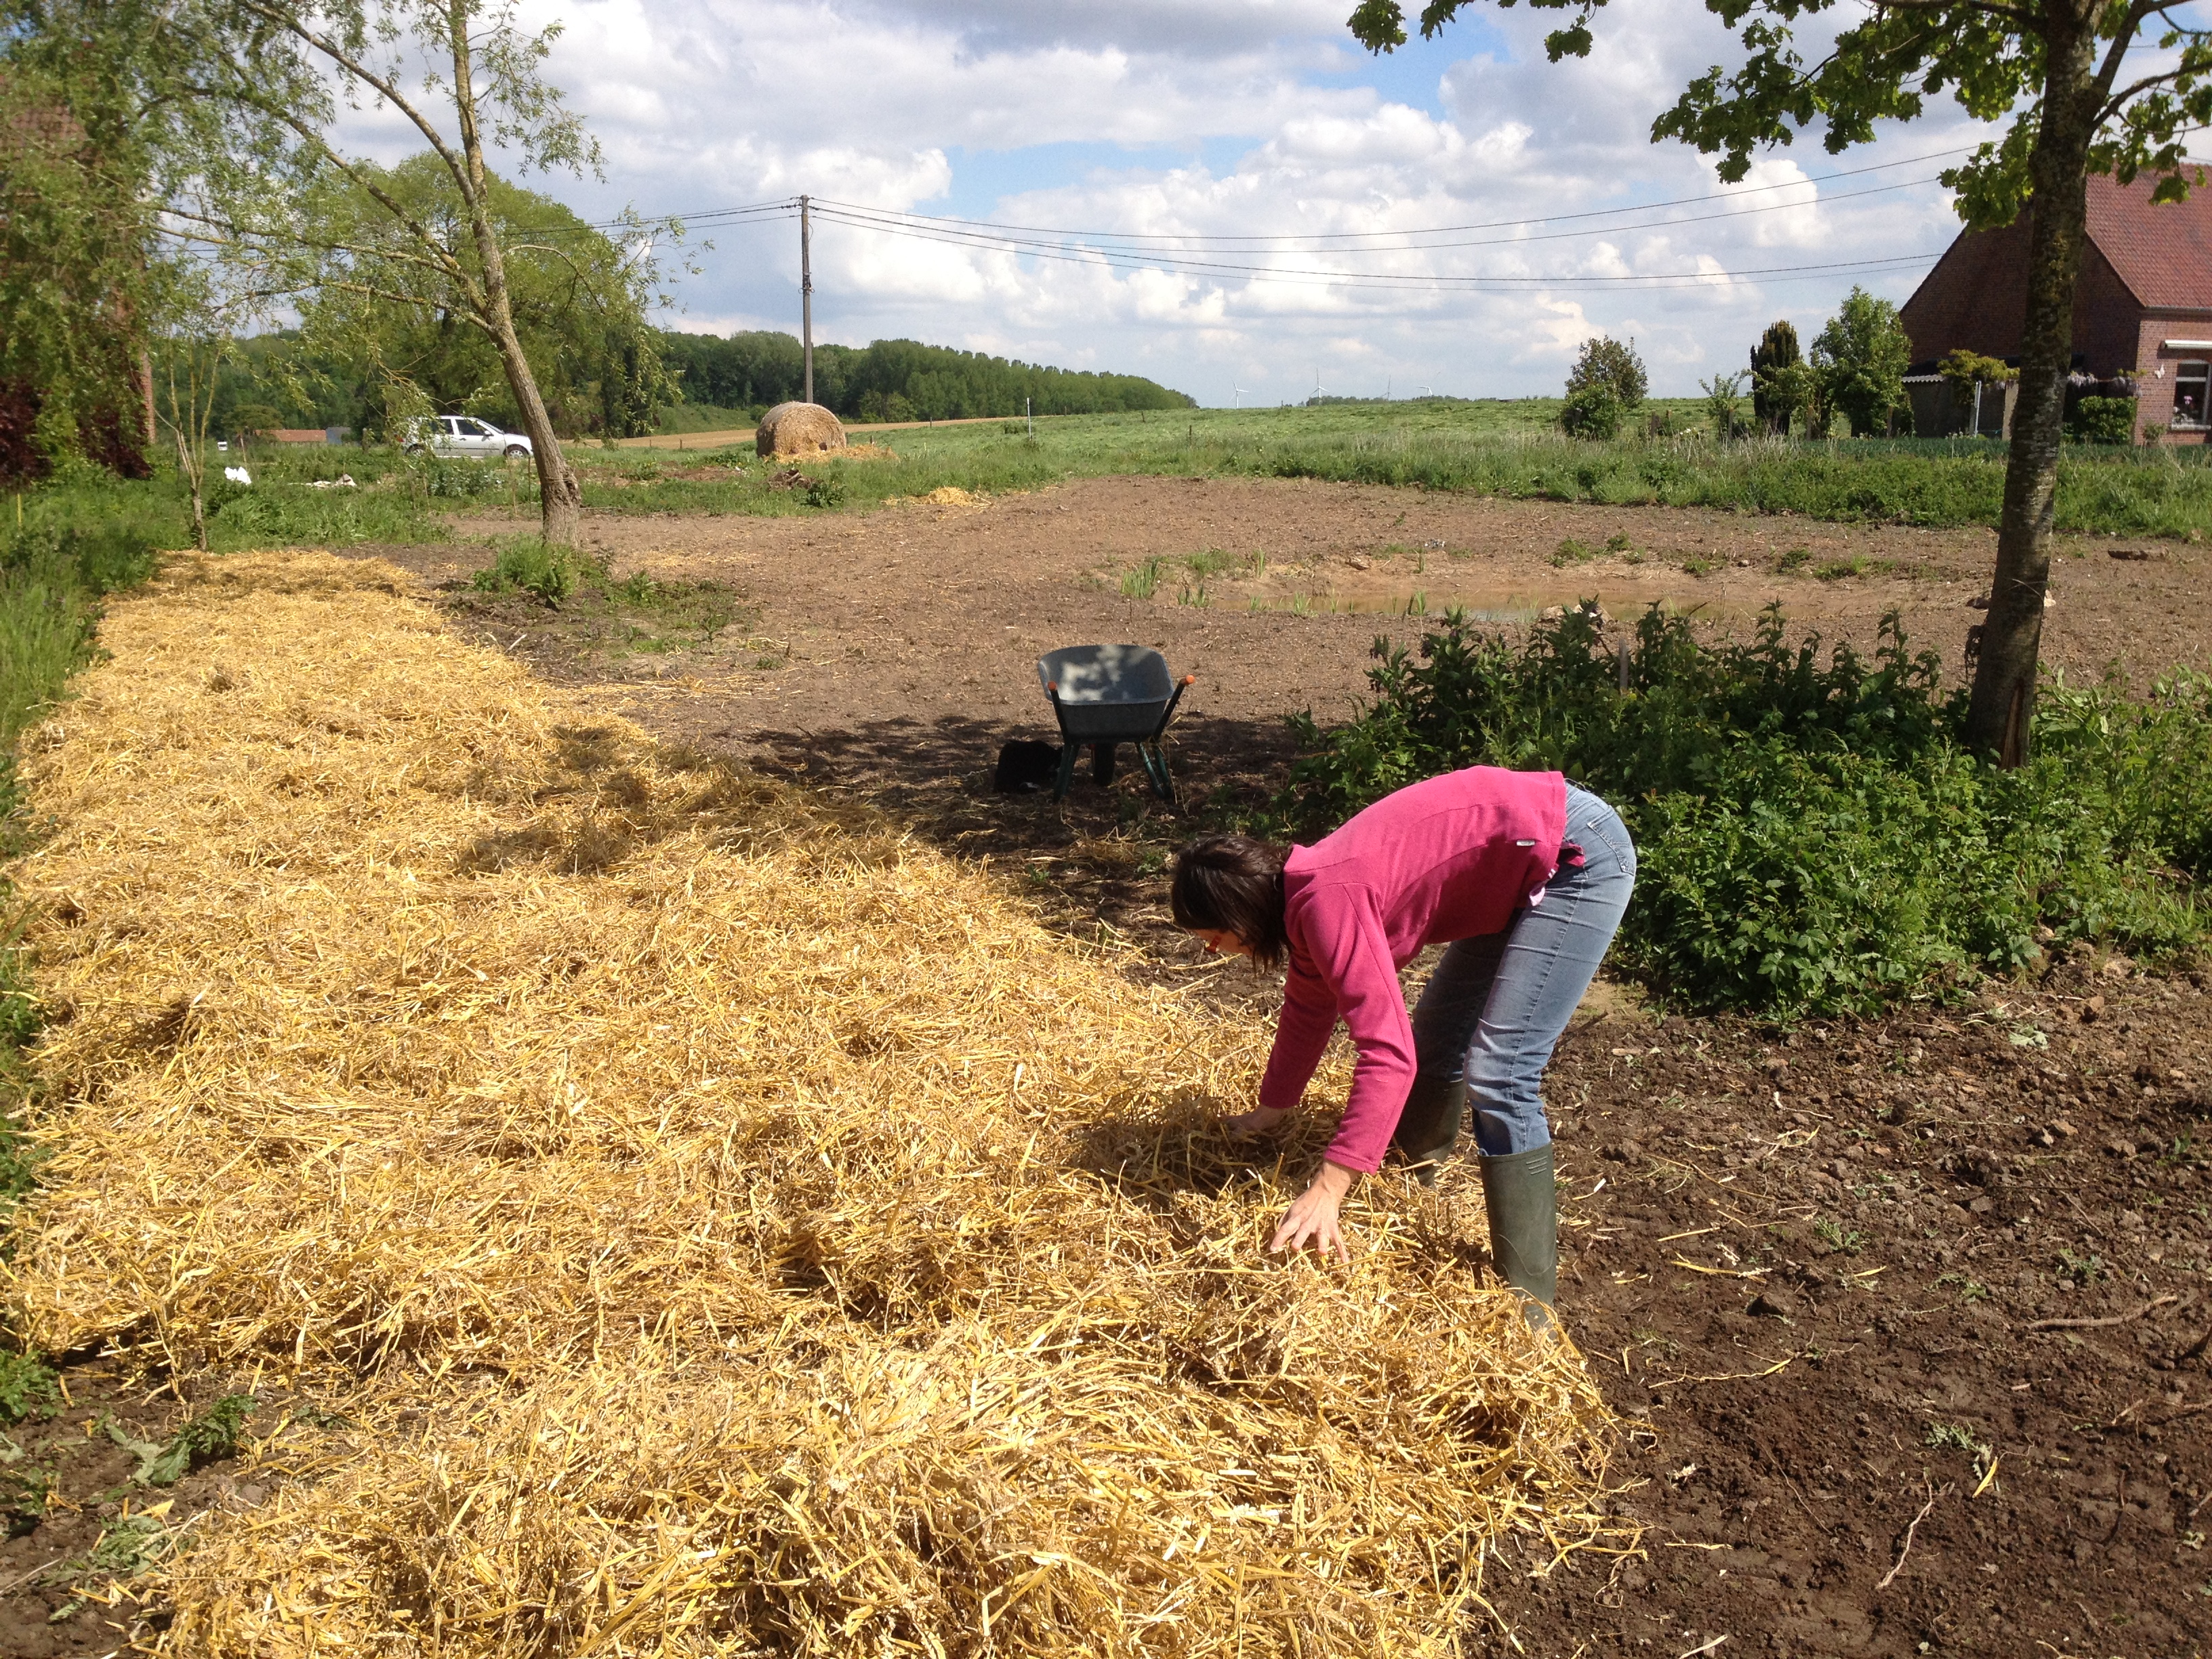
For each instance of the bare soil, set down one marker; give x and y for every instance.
(57, 1596)
(1817, 1272)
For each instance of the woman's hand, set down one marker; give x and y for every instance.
(1260, 1122)
(1313, 1218)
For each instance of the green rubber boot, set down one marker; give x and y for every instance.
(1428, 1128)
(1523, 1198)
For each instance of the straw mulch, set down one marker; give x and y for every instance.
(724, 1227)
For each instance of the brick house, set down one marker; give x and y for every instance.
(2142, 302)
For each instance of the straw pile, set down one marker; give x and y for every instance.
(726, 1228)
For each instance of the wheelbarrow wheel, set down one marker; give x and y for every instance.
(1101, 763)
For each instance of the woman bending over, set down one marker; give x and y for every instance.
(1525, 877)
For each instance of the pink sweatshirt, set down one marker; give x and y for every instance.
(1447, 859)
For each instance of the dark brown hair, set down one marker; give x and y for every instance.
(1232, 884)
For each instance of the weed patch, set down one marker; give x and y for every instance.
(28, 1388)
(527, 565)
(573, 601)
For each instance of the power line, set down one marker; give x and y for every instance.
(790, 206)
(1130, 259)
(888, 220)
(1445, 230)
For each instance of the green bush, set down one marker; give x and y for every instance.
(2102, 421)
(1813, 839)
(1592, 411)
(26, 1388)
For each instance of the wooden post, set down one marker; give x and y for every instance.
(806, 293)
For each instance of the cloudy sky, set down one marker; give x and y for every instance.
(1236, 134)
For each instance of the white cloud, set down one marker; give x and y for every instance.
(1217, 119)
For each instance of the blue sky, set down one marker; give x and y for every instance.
(1210, 118)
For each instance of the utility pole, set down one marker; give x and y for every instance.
(806, 293)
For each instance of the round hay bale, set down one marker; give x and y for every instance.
(798, 429)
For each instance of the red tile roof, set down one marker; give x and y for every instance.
(2162, 250)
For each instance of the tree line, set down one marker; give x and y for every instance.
(895, 380)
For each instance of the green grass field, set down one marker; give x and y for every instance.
(1504, 448)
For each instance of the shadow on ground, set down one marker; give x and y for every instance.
(1097, 860)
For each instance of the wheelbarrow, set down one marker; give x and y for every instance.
(1106, 696)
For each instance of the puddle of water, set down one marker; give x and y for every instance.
(1481, 604)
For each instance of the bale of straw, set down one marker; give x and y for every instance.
(730, 1226)
(798, 429)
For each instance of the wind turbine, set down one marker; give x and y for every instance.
(1239, 391)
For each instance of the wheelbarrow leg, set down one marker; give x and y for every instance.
(1156, 771)
(1065, 776)
(1101, 763)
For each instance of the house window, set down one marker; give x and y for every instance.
(2189, 390)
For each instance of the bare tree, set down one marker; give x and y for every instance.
(191, 363)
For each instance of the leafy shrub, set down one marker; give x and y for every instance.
(1592, 411)
(1813, 839)
(2102, 421)
(1609, 362)
(531, 567)
(1606, 383)
(1860, 358)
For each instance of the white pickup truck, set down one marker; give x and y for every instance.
(465, 435)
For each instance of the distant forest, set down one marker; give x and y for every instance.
(894, 380)
(282, 379)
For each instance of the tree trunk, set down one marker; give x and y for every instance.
(2002, 708)
(560, 497)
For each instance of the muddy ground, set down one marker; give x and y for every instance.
(1908, 1320)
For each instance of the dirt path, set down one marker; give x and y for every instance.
(1810, 1271)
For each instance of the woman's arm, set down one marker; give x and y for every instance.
(1351, 951)
(1302, 1032)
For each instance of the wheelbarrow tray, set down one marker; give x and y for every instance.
(1108, 693)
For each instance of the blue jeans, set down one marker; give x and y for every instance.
(1495, 1006)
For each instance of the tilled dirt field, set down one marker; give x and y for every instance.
(1909, 1317)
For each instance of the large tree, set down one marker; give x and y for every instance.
(2058, 72)
(466, 78)
(77, 244)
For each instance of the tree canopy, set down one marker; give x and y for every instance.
(578, 302)
(1861, 357)
(897, 379)
(76, 276)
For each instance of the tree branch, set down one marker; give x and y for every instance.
(367, 185)
(2123, 38)
(384, 87)
(2016, 14)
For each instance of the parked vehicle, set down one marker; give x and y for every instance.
(465, 435)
